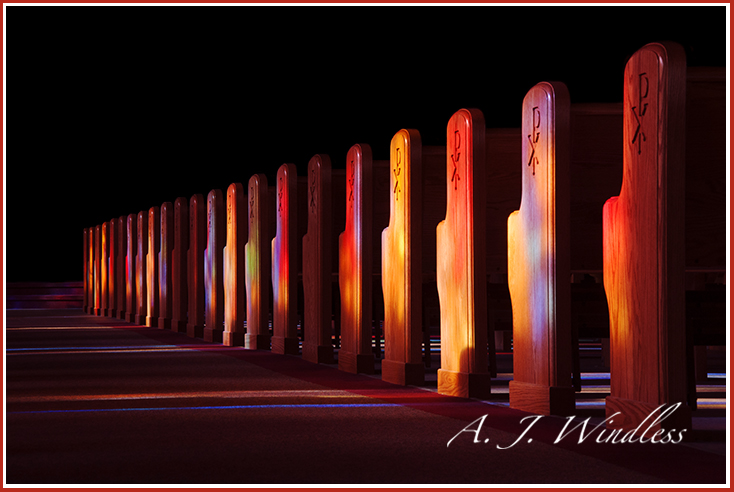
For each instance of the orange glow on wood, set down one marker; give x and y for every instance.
(165, 267)
(317, 256)
(103, 267)
(461, 258)
(214, 267)
(234, 267)
(112, 268)
(355, 265)
(539, 256)
(131, 298)
(154, 244)
(97, 279)
(284, 253)
(179, 265)
(121, 266)
(257, 264)
(195, 271)
(644, 244)
(402, 263)
(141, 280)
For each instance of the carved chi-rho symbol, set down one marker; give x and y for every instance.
(455, 178)
(396, 172)
(351, 183)
(252, 204)
(533, 138)
(312, 190)
(280, 194)
(639, 135)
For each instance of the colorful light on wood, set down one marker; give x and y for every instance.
(97, 270)
(179, 265)
(257, 267)
(165, 268)
(402, 263)
(461, 258)
(121, 267)
(284, 251)
(112, 268)
(355, 265)
(141, 264)
(131, 298)
(154, 244)
(104, 265)
(539, 256)
(644, 244)
(214, 267)
(195, 271)
(317, 257)
(234, 267)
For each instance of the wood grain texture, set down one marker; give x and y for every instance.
(214, 267)
(179, 266)
(257, 264)
(402, 263)
(131, 291)
(234, 267)
(461, 261)
(355, 264)
(165, 267)
(121, 267)
(141, 266)
(317, 264)
(196, 257)
(153, 280)
(539, 256)
(284, 263)
(644, 249)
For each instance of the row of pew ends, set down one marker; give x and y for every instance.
(529, 209)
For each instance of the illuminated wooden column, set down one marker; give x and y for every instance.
(257, 268)
(121, 266)
(214, 267)
(539, 256)
(284, 257)
(234, 267)
(317, 256)
(141, 268)
(179, 266)
(153, 279)
(402, 275)
(85, 274)
(103, 268)
(355, 265)
(196, 257)
(461, 259)
(98, 270)
(165, 268)
(644, 249)
(112, 247)
(131, 298)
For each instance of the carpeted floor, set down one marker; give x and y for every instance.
(92, 400)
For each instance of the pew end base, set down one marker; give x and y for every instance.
(233, 338)
(121, 315)
(151, 321)
(643, 419)
(257, 342)
(139, 319)
(318, 354)
(403, 373)
(464, 385)
(194, 331)
(541, 399)
(356, 363)
(284, 345)
(164, 323)
(178, 326)
(213, 335)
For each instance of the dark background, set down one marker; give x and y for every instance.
(112, 110)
